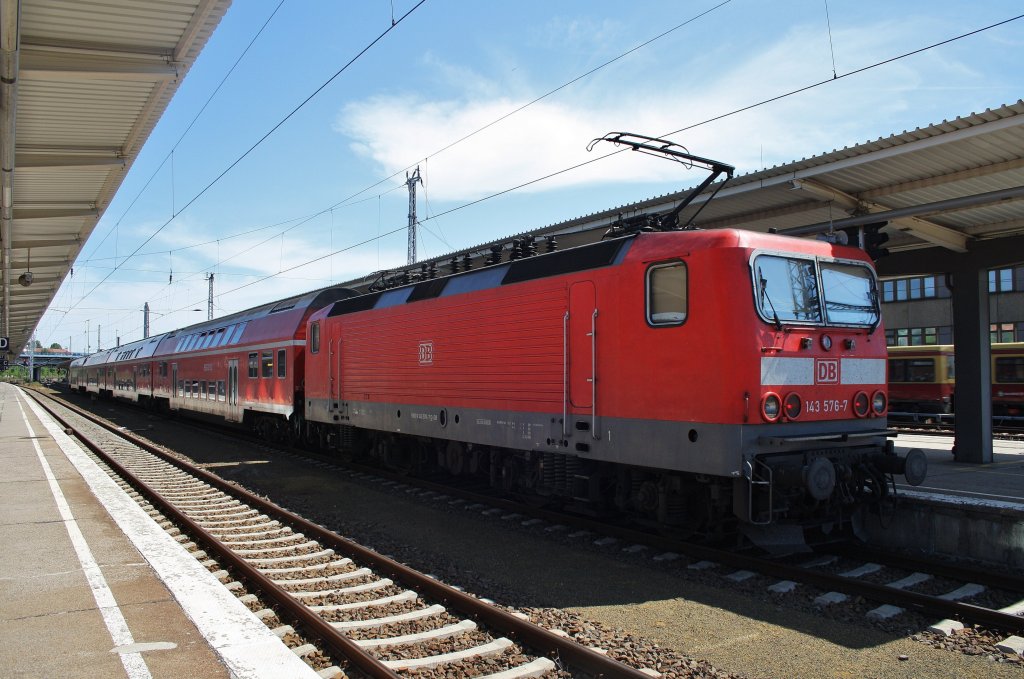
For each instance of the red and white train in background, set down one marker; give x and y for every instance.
(694, 378)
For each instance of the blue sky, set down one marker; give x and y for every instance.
(331, 177)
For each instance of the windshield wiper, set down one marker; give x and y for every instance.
(763, 284)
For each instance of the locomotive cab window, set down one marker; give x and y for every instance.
(816, 292)
(666, 294)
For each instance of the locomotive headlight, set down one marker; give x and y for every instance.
(771, 407)
(878, 403)
(861, 404)
(793, 405)
(826, 342)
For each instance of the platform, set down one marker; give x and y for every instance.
(90, 586)
(999, 484)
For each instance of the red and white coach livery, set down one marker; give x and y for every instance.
(688, 377)
(246, 367)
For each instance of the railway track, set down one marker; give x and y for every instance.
(1005, 429)
(883, 588)
(355, 608)
(897, 583)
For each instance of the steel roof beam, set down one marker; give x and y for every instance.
(44, 243)
(53, 212)
(39, 63)
(915, 226)
(66, 161)
(942, 179)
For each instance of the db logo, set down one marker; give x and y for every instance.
(426, 353)
(826, 371)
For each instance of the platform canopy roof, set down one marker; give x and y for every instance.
(83, 84)
(947, 190)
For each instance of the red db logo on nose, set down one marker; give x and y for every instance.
(826, 371)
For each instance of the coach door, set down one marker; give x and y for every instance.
(232, 384)
(582, 341)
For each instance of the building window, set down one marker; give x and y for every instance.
(918, 287)
(1001, 332)
(282, 364)
(254, 365)
(267, 363)
(905, 337)
(1009, 279)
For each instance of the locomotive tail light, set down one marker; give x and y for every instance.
(861, 404)
(771, 407)
(879, 402)
(793, 405)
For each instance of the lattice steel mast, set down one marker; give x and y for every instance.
(410, 182)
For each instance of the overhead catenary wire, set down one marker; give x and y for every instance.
(188, 128)
(612, 153)
(260, 141)
(350, 200)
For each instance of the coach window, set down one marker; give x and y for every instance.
(1010, 370)
(220, 390)
(282, 364)
(314, 339)
(254, 364)
(267, 363)
(202, 389)
(666, 294)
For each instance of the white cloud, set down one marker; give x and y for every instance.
(395, 130)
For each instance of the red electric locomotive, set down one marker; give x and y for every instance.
(688, 377)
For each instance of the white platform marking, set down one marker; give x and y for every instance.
(244, 644)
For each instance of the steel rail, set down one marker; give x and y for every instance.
(921, 603)
(335, 641)
(548, 643)
(1003, 580)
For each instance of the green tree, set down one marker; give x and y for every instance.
(56, 345)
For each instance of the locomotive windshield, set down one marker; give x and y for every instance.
(850, 297)
(790, 289)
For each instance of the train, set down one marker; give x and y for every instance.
(922, 379)
(701, 380)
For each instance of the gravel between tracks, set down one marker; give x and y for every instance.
(659, 613)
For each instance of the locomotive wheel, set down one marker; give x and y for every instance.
(455, 459)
